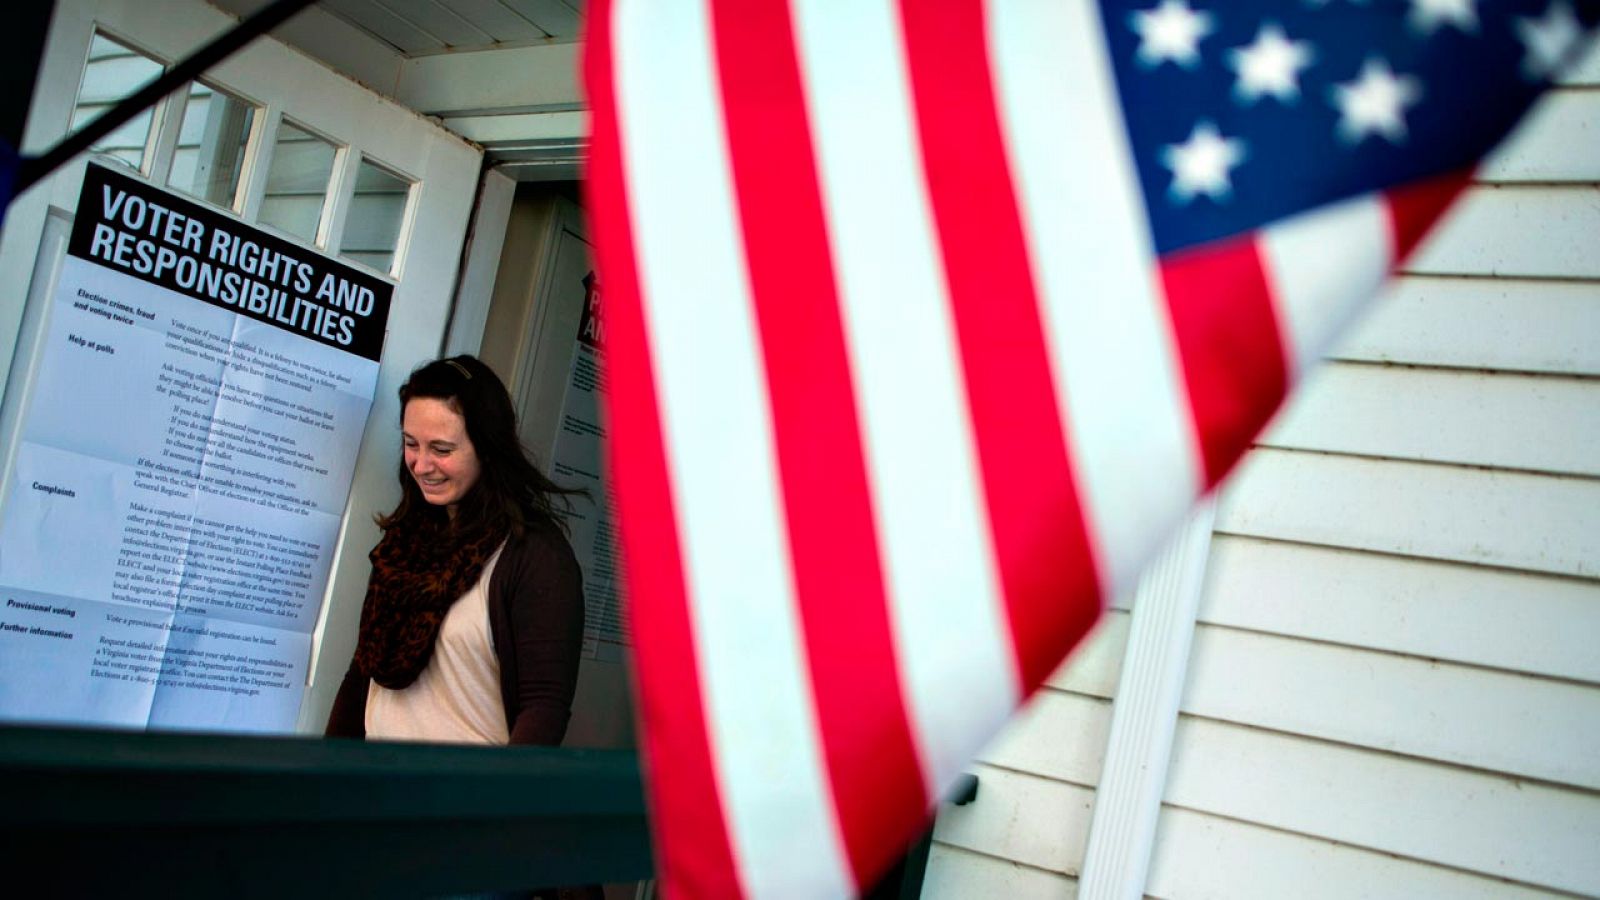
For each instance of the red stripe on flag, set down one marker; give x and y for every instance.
(839, 584)
(1227, 335)
(1415, 207)
(1041, 543)
(694, 852)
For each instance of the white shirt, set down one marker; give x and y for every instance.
(456, 699)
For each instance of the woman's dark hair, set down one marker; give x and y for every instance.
(510, 491)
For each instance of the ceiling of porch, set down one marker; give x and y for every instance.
(501, 73)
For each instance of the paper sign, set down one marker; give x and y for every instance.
(185, 457)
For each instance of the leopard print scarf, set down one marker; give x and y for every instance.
(419, 569)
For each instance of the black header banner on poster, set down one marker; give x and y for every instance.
(127, 225)
(591, 326)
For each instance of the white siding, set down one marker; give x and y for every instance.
(1451, 612)
(1024, 836)
(1285, 864)
(1394, 689)
(957, 874)
(1533, 522)
(1556, 143)
(1506, 324)
(1530, 231)
(1536, 728)
(1539, 834)
(1007, 820)
(1509, 421)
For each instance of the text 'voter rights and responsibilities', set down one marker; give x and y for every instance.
(201, 254)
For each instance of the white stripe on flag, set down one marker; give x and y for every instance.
(1313, 286)
(1106, 323)
(773, 786)
(952, 634)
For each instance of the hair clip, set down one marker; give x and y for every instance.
(459, 368)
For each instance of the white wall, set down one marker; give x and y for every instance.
(1025, 834)
(1394, 689)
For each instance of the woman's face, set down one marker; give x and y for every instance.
(439, 455)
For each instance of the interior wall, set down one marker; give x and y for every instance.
(530, 338)
(511, 301)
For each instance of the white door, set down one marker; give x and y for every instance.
(278, 141)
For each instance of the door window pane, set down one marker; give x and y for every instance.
(113, 72)
(377, 210)
(297, 182)
(211, 145)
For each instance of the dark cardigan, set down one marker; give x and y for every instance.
(536, 623)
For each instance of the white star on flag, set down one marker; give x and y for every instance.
(1428, 15)
(1548, 39)
(1375, 103)
(1171, 31)
(1270, 64)
(1200, 165)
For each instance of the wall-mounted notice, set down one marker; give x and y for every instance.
(576, 462)
(185, 457)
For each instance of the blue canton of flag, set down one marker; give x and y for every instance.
(1242, 113)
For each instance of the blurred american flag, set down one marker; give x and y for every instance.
(930, 320)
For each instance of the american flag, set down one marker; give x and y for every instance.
(929, 322)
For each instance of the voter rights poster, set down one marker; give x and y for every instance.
(185, 456)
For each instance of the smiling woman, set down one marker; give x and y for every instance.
(474, 611)
(438, 453)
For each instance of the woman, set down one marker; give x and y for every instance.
(474, 611)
